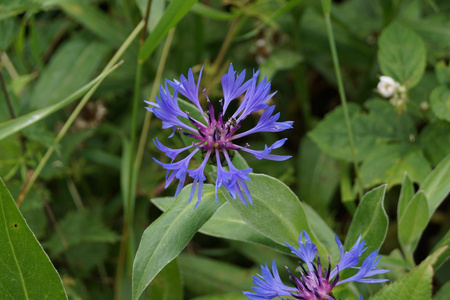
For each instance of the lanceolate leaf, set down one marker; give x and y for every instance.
(370, 220)
(26, 271)
(406, 194)
(276, 211)
(413, 223)
(416, 285)
(437, 185)
(165, 238)
(12, 126)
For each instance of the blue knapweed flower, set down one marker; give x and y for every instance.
(216, 135)
(315, 281)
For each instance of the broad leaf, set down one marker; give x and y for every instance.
(440, 102)
(435, 141)
(26, 270)
(166, 237)
(276, 211)
(401, 54)
(412, 223)
(226, 223)
(415, 285)
(370, 221)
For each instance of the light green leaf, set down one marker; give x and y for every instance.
(406, 195)
(413, 223)
(370, 221)
(70, 67)
(27, 272)
(215, 276)
(442, 72)
(12, 126)
(276, 211)
(226, 223)
(415, 285)
(167, 285)
(437, 186)
(172, 15)
(401, 54)
(387, 164)
(164, 239)
(440, 102)
(212, 13)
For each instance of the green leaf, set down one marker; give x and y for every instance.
(435, 141)
(406, 195)
(214, 276)
(444, 242)
(226, 223)
(27, 272)
(318, 176)
(412, 223)
(212, 13)
(415, 285)
(276, 211)
(440, 102)
(79, 227)
(387, 164)
(12, 126)
(172, 15)
(9, 29)
(96, 21)
(443, 292)
(442, 72)
(437, 186)
(401, 54)
(70, 67)
(230, 296)
(370, 221)
(167, 285)
(279, 60)
(164, 239)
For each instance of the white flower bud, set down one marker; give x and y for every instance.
(387, 86)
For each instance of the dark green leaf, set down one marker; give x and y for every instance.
(164, 239)
(445, 241)
(435, 141)
(440, 102)
(401, 54)
(370, 221)
(167, 285)
(172, 15)
(70, 67)
(406, 195)
(279, 60)
(27, 272)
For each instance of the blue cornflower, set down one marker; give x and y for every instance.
(315, 282)
(216, 137)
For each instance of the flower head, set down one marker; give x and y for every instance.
(315, 281)
(216, 135)
(387, 86)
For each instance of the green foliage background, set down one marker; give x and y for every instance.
(76, 145)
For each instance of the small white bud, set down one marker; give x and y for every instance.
(424, 106)
(387, 86)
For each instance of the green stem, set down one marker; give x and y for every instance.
(342, 96)
(111, 66)
(148, 115)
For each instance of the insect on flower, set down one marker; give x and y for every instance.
(215, 135)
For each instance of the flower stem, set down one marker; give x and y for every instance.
(327, 7)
